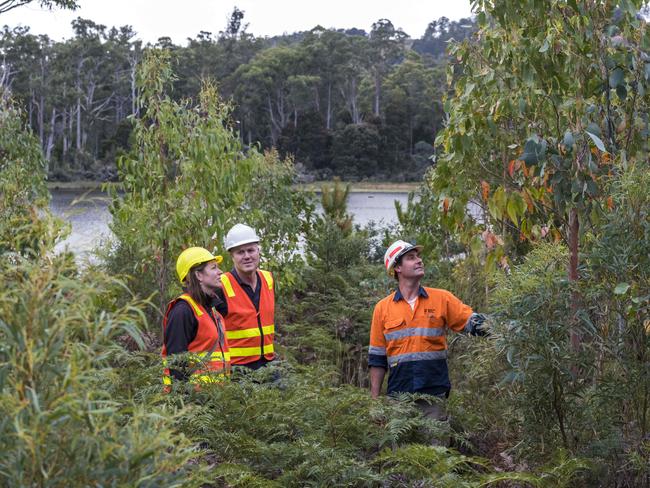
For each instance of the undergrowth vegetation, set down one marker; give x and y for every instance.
(81, 399)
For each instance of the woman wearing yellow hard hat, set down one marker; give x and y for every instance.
(193, 322)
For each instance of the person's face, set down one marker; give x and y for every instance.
(411, 265)
(246, 257)
(210, 277)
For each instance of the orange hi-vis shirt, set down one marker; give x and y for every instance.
(412, 344)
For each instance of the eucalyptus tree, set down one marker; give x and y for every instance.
(6, 5)
(325, 50)
(413, 102)
(187, 179)
(385, 49)
(549, 113)
(353, 68)
(273, 78)
(24, 71)
(197, 61)
(24, 222)
(440, 32)
(549, 100)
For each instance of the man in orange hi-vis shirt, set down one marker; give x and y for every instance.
(409, 329)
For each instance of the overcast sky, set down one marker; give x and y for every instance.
(179, 20)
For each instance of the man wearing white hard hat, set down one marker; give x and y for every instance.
(409, 328)
(251, 301)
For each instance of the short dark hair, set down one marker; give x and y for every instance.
(398, 261)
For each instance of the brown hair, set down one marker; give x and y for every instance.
(193, 287)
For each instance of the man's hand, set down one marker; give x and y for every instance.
(475, 325)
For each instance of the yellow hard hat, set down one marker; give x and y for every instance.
(192, 256)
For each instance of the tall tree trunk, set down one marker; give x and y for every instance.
(574, 231)
(316, 99)
(328, 118)
(349, 93)
(377, 93)
(64, 122)
(274, 137)
(410, 116)
(283, 116)
(41, 121)
(30, 109)
(78, 145)
(134, 94)
(50, 138)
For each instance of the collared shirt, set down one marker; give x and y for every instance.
(254, 295)
(412, 344)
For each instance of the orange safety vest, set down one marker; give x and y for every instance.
(209, 352)
(249, 332)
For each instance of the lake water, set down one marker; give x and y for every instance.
(89, 217)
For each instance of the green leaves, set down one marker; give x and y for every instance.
(568, 140)
(516, 207)
(616, 77)
(188, 180)
(621, 288)
(599, 144)
(66, 405)
(534, 150)
(26, 226)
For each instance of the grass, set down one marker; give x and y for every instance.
(359, 187)
(76, 185)
(367, 186)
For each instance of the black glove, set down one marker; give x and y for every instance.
(475, 325)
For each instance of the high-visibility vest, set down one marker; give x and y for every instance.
(209, 355)
(249, 332)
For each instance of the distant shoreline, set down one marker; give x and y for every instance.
(358, 187)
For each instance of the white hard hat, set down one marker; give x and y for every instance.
(395, 251)
(240, 234)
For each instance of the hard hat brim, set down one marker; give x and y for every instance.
(242, 243)
(186, 267)
(409, 248)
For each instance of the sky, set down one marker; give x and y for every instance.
(179, 20)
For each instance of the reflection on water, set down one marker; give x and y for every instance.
(89, 217)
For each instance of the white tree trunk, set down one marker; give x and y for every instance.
(50, 139)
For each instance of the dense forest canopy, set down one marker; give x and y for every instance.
(343, 102)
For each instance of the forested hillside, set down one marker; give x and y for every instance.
(350, 103)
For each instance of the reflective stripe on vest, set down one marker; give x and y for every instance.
(242, 334)
(208, 353)
(269, 279)
(416, 356)
(422, 340)
(250, 332)
(249, 351)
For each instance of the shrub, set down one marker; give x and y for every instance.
(25, 223)
(60, 423)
